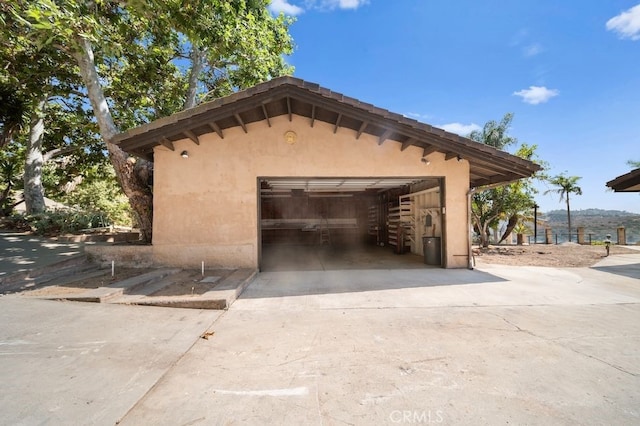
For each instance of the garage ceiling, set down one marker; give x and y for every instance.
(335, 184)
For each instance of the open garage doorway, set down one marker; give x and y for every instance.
(350, 223)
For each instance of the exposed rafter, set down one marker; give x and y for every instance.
(192, 136)
(385, 136)
(429, 149)
(361, 129)
(313, 114)
(451, 155)
(166, 142)
(335, 128)
(216, 128)
(240, 122)
(266, 115)
(289, 108)
(406, 144)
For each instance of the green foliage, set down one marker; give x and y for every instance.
(634, 164)
(99, 193)
(55, 222)
(566, 185)
(141, 56)
(10, 170)
(495, 134)
(511, 202)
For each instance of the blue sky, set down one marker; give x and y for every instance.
(569, 71)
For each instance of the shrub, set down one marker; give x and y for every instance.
(56, 222)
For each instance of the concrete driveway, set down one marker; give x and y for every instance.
(497, 345)
(24, 252)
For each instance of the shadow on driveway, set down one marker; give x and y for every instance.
(631, 270)
(24, 252)
(304, 283)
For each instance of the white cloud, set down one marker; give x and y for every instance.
(418, 116)
(349, 4)
(532, 50)
(278, 6)
(336, 4)
(535, 95)
(626, 24)
(459, 128)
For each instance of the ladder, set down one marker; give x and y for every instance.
(325, 236)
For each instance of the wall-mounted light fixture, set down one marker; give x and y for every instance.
(425, 160)
(459, 158)
(184, 154)
(290, 137)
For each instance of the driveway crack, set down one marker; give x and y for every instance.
(556, 341)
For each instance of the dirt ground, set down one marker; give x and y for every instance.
(562, 255)
(82, 283)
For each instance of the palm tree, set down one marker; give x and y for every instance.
(566, 185)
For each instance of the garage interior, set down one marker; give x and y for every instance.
(350, 223)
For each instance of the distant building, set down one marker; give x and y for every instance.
(629, 182)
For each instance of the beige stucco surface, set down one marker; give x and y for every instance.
(206, 205)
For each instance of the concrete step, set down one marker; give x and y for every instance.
(225, 292)
(91, 271)
(141, 293)
(116, 290)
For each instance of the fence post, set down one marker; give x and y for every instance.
(622, 236)
(581, 235)
(547, 235)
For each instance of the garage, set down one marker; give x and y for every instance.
(327, 223)
(288, 174)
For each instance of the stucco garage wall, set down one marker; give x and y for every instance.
(206, 206)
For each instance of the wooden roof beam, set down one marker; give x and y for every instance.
(384, 136)
(406, 144)
(216, 128)
(363, 126)
(429, 149)
(266, 115)
(313, 114)
(289, 108)
(192, 136)
(335, 128)
(240, 122)
(451, 155)
(166, 142)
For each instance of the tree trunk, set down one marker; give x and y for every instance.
(129, 172)
(484, 235)
(33, 190)
(511, 224)
(197, 64)
(569, 216)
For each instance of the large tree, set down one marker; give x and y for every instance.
(142, 59)
(54, 118)
(566, 185)
(510, 202)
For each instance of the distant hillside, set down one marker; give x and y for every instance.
(597, 222)
(590, 212)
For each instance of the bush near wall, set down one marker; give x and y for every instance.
(56, 222)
